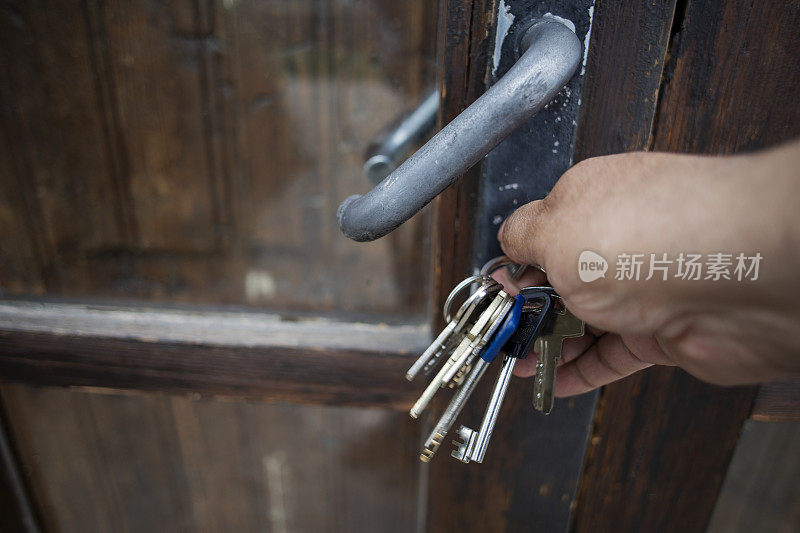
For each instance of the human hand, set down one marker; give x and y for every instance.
(725, 331)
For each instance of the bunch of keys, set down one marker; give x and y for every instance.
(492, 324)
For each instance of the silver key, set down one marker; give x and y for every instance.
(496, 322)
(502, 304)
(453, 332)
(452, 411)
(477, 447)
(478, 328)
(465, 444)
(461, 354)
(548, 346)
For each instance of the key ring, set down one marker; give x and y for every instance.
(501, 261)
(486, 283)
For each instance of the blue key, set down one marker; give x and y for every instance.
(504, 332)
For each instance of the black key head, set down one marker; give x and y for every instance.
(537, 311)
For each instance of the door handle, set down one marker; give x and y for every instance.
(396, 142)
(550, 53)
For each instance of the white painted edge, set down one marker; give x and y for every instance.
(505, 18)
(247, 329)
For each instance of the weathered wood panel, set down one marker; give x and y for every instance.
(778, 402)
(230, 354)
(730, 86)
(761, 492)
(58, 194)
(111, 462)
(196, 151)
(17, 511)
(663, 440)
(623, 76)
(464, 33)
(158, 104)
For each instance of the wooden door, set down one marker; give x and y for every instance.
(189, 344)
(218, 357)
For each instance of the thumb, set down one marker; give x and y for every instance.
(521, 235)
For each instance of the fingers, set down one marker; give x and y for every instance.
(531, 278)
(509, 285)
(607, 360)
(571, 349)
(521, 235)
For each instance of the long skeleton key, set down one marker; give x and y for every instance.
(452, 410)
(473, 445)
(438, 381)
(462, 395)
(467, 437)
(495, 323)
(487, 330)
(482, 326)
(451, 332)
(467, 335)
(563, 325)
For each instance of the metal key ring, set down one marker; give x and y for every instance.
(473, 299)
(486, 281)
(503, 261)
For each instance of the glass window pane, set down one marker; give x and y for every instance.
(198, 151)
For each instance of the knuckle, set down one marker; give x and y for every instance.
(521, 236)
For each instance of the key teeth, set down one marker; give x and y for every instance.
(463, 444)
(430, 448)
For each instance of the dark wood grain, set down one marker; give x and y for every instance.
(662, 440)
(50, 172)
(464, 42)
(530, 476)
(244, 354)
(731, 83)
(761, 492)
(659, 452)
(155, 462)
(464, 35)
(197, 150)
(778, 402)
(17, 511)
(623, 76)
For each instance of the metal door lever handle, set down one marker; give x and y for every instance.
(395, 143)
(551, 53)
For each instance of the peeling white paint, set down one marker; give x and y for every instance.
(566, 22)
(504, 20)
(586, 39)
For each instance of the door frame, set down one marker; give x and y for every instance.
(147, 348)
